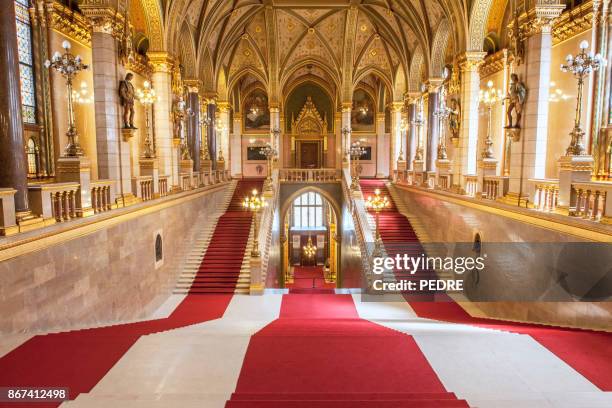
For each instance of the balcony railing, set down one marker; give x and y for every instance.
(310, 175)
(143, 187)
(546, 194)
(102, 195)
(589, 200)
(495, 187)
(471, 185)
(163, 185)
(54, 200)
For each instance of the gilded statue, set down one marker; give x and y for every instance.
(178, 116)
(517, 93)
(126, 46)
(127, 95)
(454, 118)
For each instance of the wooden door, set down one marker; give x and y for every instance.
(309, 155)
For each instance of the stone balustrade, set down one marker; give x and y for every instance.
(8, 220)
(546, 194)
(445, 181)
(310, 175)
(55, 202)
(471, 185)
(143, 187)
(495, 187)
(163, 185)
(589, 200)
(185, 181)
(102, 195)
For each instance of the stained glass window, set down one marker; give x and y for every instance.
(308, 211)
(26, 70)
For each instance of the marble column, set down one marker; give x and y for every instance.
(193, 127)
(13, 171)
(396, 135)
(236, 147)
(433, 124)
(162, 127)
(347, 108)
(212, 132)
(464, 162)
(382, 147)
(223, 113)
(112, 149)
(275, 124)
(528, 156)
(339, 141)
(411, 142)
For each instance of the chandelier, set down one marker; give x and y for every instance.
(147, 97)
(309, 250)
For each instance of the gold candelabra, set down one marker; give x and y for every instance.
(147, 97)
(377, 202)
(309, 250)
(270, 153)
(581, 66)
(254, 203)
(489, 97)
(442, 114)
(403, 130)
(346, 137)
(69, 65)
(418, 124)
(356, 152)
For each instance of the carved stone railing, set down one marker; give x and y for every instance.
(102, 195)
(54, 200)
(471, 185)
(546, 194)
(590, 200)
(163, 185)
(444, 181)
(266, 223)
(431, 180)
(143, 187)
(310, 175)
(495, 187)
(185, 181)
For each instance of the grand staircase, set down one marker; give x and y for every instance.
(221, 265)
(398, 235)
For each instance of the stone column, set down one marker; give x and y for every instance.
(212, 131)
(223, 113)
(382, 147)
(396, 135)
(464, 162)
(113, 150)
(162, 128)
(433, 131)
(275, 124)
(411, 136)
(528, 156)
(339, 141)
(193, 126)
(13, 171)
(347, 108)
(236, 148)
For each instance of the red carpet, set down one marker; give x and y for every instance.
(309, 279)
(588, 352)
(80, 358)
(319, 353)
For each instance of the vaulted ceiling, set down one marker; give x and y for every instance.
(338, 42)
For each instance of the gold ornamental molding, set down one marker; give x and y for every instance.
(573, 22)
(494, 63)
(161, 61)
(65, 21)
(140, 65)
(471, 61)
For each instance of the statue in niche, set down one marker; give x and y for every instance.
(454, 118)
(126, 45)
(178, 116)
(517, 93)
(127, 95)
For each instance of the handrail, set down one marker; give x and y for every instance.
(309, 175)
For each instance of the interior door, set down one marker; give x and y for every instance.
(309, 155)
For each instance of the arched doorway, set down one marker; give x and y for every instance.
(310, 250)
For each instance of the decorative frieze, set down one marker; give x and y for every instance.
(72, 25)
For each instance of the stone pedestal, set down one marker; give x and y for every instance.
(486, 168)
(572, 169)
(78, 170)
(256, 286)
(186, 167)
(443, 170)
(402, 165)
(127, 134)
(8, 221)
(418, 169)
(221, 165)
(150, 167)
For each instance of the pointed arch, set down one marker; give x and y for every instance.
(416, 70)
(438, 49)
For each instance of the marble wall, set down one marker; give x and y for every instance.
(448, 222)
(108, 275)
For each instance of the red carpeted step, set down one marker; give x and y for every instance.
(326, 396)
(349, 404)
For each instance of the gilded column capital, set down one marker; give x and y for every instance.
(161, 61)
(193, 85)
(347, 106)
(412, 97)
(434, 84)
(471, 61)
(396, 106)
(542, 16)
(223, 106)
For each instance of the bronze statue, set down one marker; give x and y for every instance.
(127, 96)
(517, 93)
(178, 114)
(454, 119)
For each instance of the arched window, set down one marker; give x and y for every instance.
(32, 154)
(308, 211)
(26, 61)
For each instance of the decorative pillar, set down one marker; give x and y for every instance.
(13, 171)
(528, 156)
(433, 131)
(275, 128)
(382, 147)
(396, 135)
(162, 64)
(411, 142)
(347, 108)
(339, 139)
(212, 131)
(193, 123)
(223, 128)
(464, 162)
(113, 150)
(236, 147)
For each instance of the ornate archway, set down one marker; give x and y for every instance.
(309, 137)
